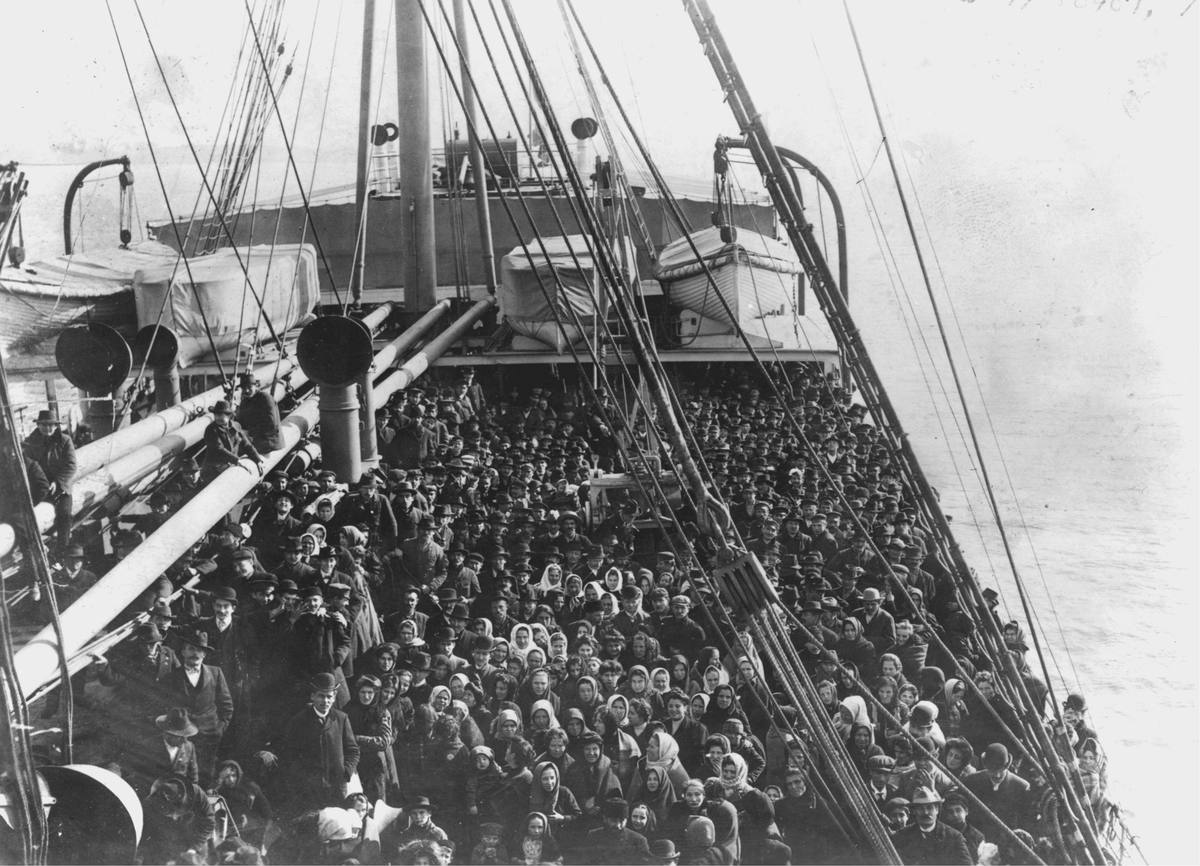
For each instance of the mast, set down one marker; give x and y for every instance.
(478, 172)
(364, 133)
(416, 160)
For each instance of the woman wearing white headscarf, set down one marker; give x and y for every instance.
(552, 578)
(662, 751)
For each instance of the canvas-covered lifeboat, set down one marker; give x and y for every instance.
(538, 291)
(284, 278)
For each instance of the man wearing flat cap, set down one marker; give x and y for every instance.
(928, 840)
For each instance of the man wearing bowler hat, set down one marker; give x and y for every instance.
(928, 840)
(225, 443)
(54, 453)
(317, 752)
(204, 692)
(1005, 793)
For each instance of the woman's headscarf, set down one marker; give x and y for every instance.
(541, 800)
(549, 708)
(658, 802)
(416, 640)
(613, 580)
(715, 715)
(857, 709)
(707, 656)
(459, 678)
(722, 677)
(487, 625)
(612, 605)
(552, 578)
(500, 643)
(676, 681)
(507, 714)
(573, 587)
(485, 751)
(653, 674)
(639, 669)
(541, 635)
(437, 690)
(704, 699)
(739, 785)
(668, 751)
(622, 720)
(599, 587)
(948, 690)
(514, 647)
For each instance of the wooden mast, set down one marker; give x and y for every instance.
(416, 160)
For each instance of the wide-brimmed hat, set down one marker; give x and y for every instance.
(47, 416)
(195, 638)
(176, 723)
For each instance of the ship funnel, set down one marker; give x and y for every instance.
(584, 129)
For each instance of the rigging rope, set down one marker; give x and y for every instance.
(292, 162)
(917, 248)
(196, 158)
(163, 187)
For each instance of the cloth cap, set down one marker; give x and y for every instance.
(881, 762)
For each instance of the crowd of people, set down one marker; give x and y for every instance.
(468, 656)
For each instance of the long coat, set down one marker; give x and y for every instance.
(55, 454)
(150, 760)
(317, 757)
(942, 844)
(209, 702)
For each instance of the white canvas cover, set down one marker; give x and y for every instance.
(285, 279)
(523, 303)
